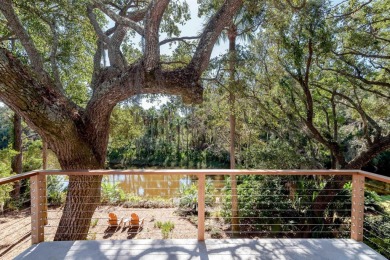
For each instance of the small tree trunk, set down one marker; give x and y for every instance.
(235, 219)
(44, 155)
(44, 167)
(232, 34)
(333, 160)
(17, 161)
(178, 156)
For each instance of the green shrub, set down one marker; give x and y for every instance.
(216, 233)
(5, 171)
(188, 196)
(281, 205)
(166, 228)
(158, 224)
(32, 156)
(377, 233)
(56, 190)
(112, 193)
(135, 201)
(256, 193)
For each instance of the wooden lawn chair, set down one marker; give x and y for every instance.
(113, 220)
(136, 222)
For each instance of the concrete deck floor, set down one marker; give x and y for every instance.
(332, 249)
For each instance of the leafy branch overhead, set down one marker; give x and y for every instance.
(109, 84)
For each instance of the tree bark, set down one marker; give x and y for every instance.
(81, 201)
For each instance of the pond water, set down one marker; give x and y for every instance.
(166, 186)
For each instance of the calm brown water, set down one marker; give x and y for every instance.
(166, 186)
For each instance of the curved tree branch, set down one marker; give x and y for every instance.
(364, 116)
(114, 51)
(53, 56)
(178, 39)
(332, 145)
(366, 156)
(14, 23)
(122, 20)
(211, 33)
(358, 73)
(367, 55)
(99, 32)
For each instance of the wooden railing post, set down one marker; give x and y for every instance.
(201, 205)
(357, 211)
(37, 186)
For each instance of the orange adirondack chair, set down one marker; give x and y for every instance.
(135, 221)
(113, 219)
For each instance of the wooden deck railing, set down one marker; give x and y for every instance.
(38, 186)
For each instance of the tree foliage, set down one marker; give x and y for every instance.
(311, 86)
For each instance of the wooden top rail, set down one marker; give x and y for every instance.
(374, 176)
(218, 172)
(195, 172)
(200, 172)
(17, 177)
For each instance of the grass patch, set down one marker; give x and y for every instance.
(166, 228)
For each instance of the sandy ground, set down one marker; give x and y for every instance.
(100, 228)
(15, 227)
(15, 233)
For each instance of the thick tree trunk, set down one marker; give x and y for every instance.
(81, 201)
(78, 139)
(83, 195)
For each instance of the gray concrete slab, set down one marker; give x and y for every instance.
(224, 249)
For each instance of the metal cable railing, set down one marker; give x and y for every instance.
(196, 204)
(15, 218)
(277, 207)
(377, 217)
(153, 198)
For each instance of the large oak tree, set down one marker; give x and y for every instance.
(32, 85)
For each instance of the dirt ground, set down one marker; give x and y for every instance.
(15, 233)
(100, 229)
(15, 227)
